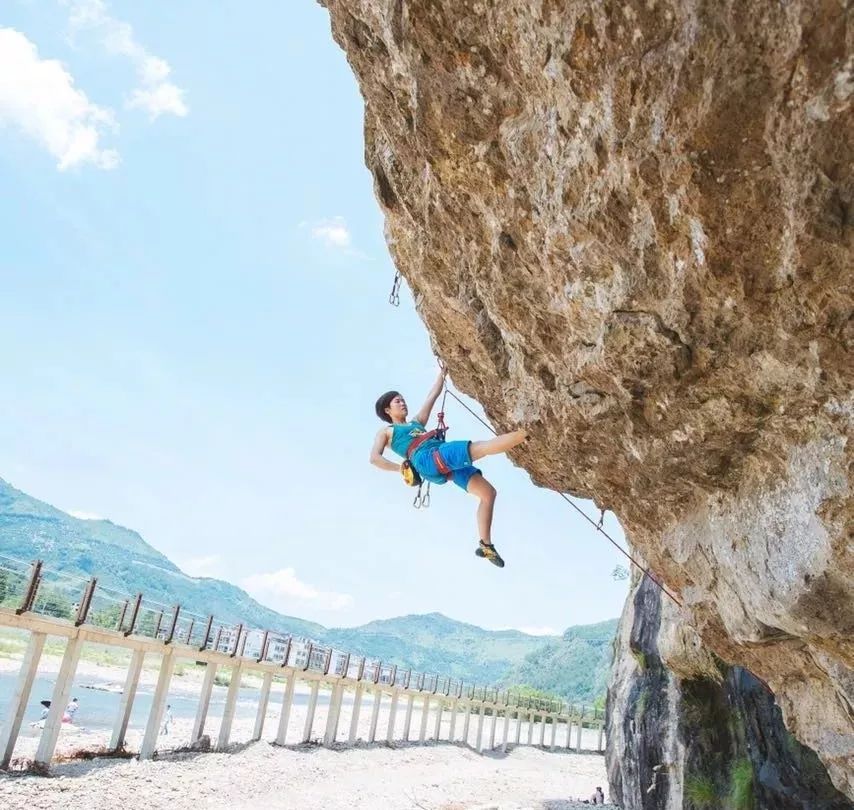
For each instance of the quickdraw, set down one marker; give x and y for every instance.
(394, 296)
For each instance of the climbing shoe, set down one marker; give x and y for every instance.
(490, 553)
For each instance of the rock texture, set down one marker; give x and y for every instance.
(710, 736)
(629, 226)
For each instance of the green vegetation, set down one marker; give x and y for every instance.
(572, 666)
(640, 658)
(741, 785)
(575, 666)
(525, 691)
(701, 793)
(223, 678)
(11, 648)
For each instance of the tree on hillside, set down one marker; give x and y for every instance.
(107, 617)
(54, 603)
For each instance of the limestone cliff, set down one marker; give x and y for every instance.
(629, 226)
(687, 732)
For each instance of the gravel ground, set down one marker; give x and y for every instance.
(260, 776)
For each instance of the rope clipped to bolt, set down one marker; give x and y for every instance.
(596, 525)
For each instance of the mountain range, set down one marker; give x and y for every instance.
(573, 665)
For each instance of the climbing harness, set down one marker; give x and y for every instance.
(410, 474)
(394, 296)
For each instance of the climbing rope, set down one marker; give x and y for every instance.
(423, 501)
(596, 525)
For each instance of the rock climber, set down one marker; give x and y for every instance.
(438, 461)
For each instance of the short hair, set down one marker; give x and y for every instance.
(383, 402)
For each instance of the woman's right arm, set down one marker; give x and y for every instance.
(380, 444)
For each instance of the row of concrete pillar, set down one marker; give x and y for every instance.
(439, 704)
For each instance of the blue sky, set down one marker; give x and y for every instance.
(194, 322)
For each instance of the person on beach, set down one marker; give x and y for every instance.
(438, 461)
(70, 711)
(167, 719)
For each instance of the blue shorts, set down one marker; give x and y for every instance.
(457, 457)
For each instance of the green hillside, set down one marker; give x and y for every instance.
(573, 666)
(576, 664)
(435, 643)
(122, 560)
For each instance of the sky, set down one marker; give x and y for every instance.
(194, 323)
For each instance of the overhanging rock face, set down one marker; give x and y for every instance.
(629, 227)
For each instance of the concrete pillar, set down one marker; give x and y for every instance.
(407, 721)
(230, 704)
(425, 711)
(59, 700)
(492, 728)
(158, 704)
(357, 706)
(204, 702)
(542, 730)
(375, 714)
(263, 700)
(20, 697)
(453, 729)
(601, 735)
(334, 713)
(580, 726)
(479, 739)
(518, 727)
(287, 702)
(466, 720)
(569, 731)
(392, 715)
(310, 710)
(437, 730)
(554, 732)
(531, 721)
(506, 730)
(117, 741)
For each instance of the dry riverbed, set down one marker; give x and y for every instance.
(261, 776)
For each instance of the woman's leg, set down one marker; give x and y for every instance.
(500, 444)
(485, 493)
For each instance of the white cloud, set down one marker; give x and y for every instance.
(38, 97)
(333, 232)
(156, 95)
(206, 566)
(84, 515)
(282, 589)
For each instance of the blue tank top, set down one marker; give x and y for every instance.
(403, 435)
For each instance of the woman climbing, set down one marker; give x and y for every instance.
(438, 461)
